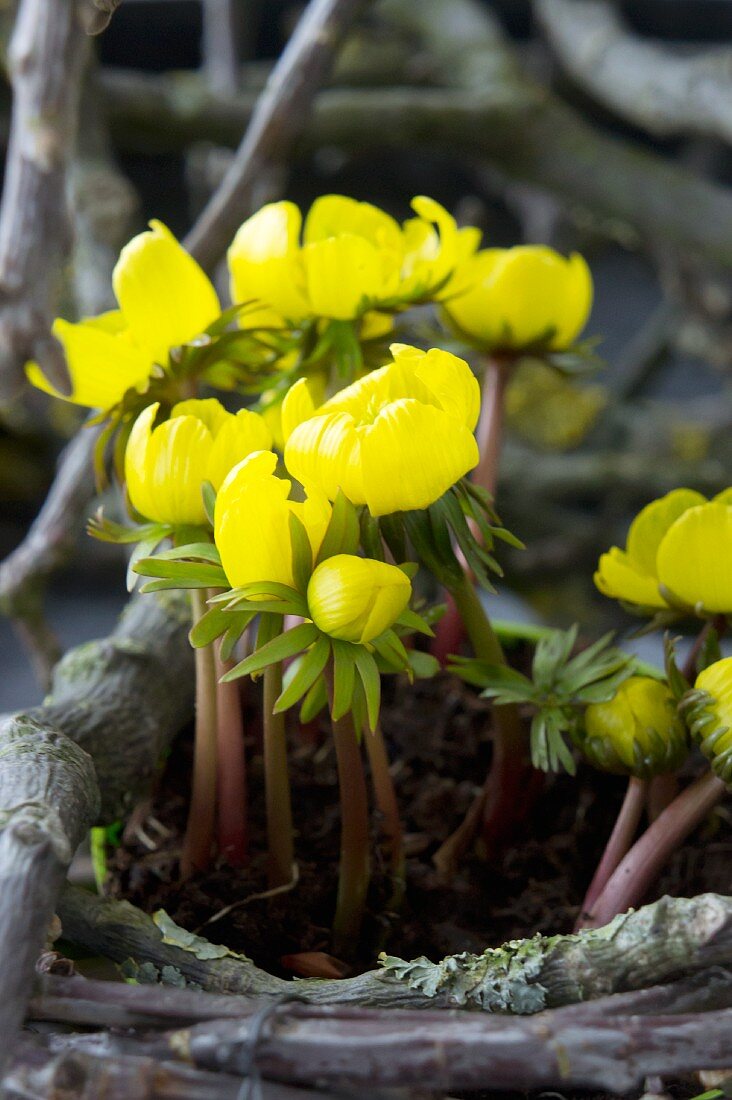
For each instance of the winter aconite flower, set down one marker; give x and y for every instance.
(165, 300)
(355, 599)
(637, 732)
(678, 555)
(166, 466)
(252, 522)
(524, 297)
(395, 440)
(710, 715)
(353, 257)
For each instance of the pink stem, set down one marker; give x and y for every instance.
(620, 841)
(233, 841)
(637, 871)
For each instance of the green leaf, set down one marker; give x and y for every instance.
(278, 649)
(371, 537)
(392, 532)
(186, 574)
(142, 550)
(551, 652)
(343, 533)
(203, 551)
(106, 530)
(315, 701)
(344, 676)
(209, 500)
(549, 751)
(302, 554)
(424, 665)
(392, 650)
(171, 585)
(273, 589)
(371, 681)
(308, 669)
(233, 633)
(215, 622)
(410, 620)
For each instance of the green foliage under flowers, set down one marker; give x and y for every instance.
(559, 688)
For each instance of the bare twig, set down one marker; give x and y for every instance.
(611, 1044)
(278, 118)
(45, 60)
(638, 197)
(220, 53)
(47, 546)
(661, 91)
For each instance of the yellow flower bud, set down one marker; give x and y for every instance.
(678, 554)
(356, 599)
(711, 717)
(395, 440)
(165, 467)
(165, 300)
(522, 297)
(638, 732)
(252, 522)
(353, 257)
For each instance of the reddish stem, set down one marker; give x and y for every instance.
(386, 800)
(620, 841)
(635, 874)
(662, 790)
(198, 840)
(233, 839)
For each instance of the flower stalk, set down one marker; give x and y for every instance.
(621, 838)
(388, 807)
(233, 839)
(640, 867)
(278, 799)
(199, 835)
(355, 862)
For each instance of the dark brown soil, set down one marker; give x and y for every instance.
(439, 738)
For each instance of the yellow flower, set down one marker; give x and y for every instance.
(252, 522)
(166, 466)
(353, 258)
(356, 599)
(271, 412)
(678, 554)
(637, 731)
(165, 300)
(712, 722)
(395, 440)
(522, 297)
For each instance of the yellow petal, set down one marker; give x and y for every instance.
(652, 522)
(253, 534)
(449, 380)
(164, 295)
(102, 365)
(324, 452)
(430, 253)
(344, 276)
(298, 405)
(264, 264)
(411, 455)
(578, 302)
(165, 468)
(620, 577)
(356, 599)
(259, 465)
(725, 497)
(332, 215)
(695, 558)
(209, 410)
(240, 436)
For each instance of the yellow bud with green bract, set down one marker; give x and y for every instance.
(356, 599)
(524, 297)
(349, 257)
(710, 715)
(166, 466)
(165, 300)
(395, 440)
(252, 522)
(638, 732)
(678, 555)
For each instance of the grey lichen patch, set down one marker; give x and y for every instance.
(501, 979)
(176, 936)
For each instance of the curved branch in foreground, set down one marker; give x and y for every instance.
(611, 1043)
(663, 92)
(672, 937)
(122, 700)
(278, 118)
(45, 60)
